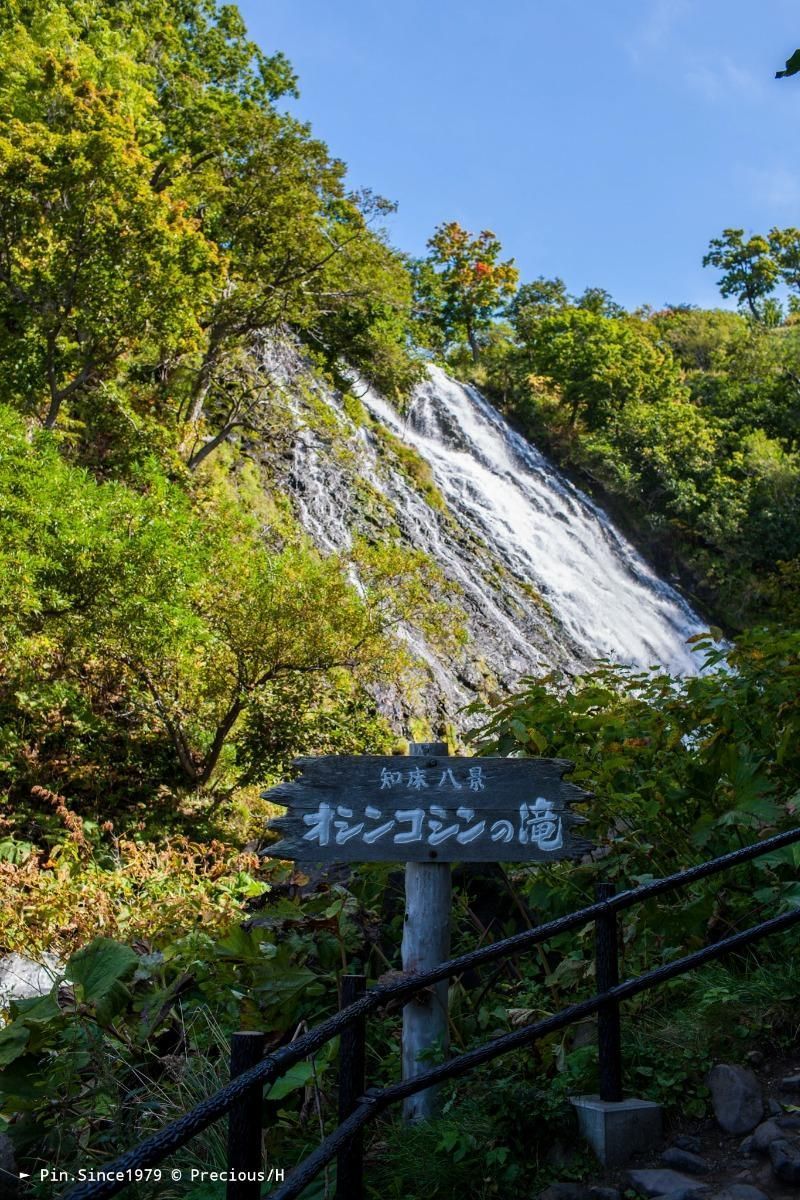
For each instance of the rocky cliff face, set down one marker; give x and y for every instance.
(546, 580)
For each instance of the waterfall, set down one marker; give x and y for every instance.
(544, 529)
(546, 579)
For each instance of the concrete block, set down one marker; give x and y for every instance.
(617, 1129)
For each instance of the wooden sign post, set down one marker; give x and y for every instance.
(426, 943)
(428, 812)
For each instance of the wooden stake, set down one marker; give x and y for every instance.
(609, 1043)
(244, 1121)
(426, 943)
(352, 1081)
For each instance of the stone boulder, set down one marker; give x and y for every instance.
(765, 1133)
(685, 1160)
(21, 978)
(736, 1098)
(785, 1159)
(657, 1182)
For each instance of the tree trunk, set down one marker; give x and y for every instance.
(751, 304)
(202, 383)
(194, 460)
(55, 394)
(473, 342)
(199, 392)
(220, 737)
(52, 412)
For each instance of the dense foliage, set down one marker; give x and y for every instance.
(685, 421)
(157, 209)
(169, 637)
(141, 632)
(161, 221)
(681, 771)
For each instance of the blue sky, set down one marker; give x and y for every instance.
(605, 141)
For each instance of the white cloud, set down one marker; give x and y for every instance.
(775, 187)
(655, 30)
(716, 77)
(722, 79)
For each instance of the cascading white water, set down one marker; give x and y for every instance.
(543, 528)
(546, 581)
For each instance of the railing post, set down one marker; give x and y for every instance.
(352, 1081)
(607, 976)
(244, 1119)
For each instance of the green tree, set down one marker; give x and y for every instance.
(686, 760)
(462, 284)
(94, 264)
(773, 519)
(196, 614)
(599, 364)
(750, 269)
(785, 247)
(159, 214)
(597, 300)
(535, 300)
(698, 338)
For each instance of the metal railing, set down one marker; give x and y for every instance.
(251, 1072)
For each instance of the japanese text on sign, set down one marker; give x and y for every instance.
(537, 824)
(363, 808)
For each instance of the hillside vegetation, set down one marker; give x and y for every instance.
(685, 422)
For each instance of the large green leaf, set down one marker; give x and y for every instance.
(98, 971)
(22, 1082)
(296, 1077)
(36, 1010)
(13, 1040)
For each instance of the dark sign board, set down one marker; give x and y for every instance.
(365, 808)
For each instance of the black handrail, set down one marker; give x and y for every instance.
(373, 1104)
(175, 1135)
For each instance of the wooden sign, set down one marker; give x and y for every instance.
(370, 808)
